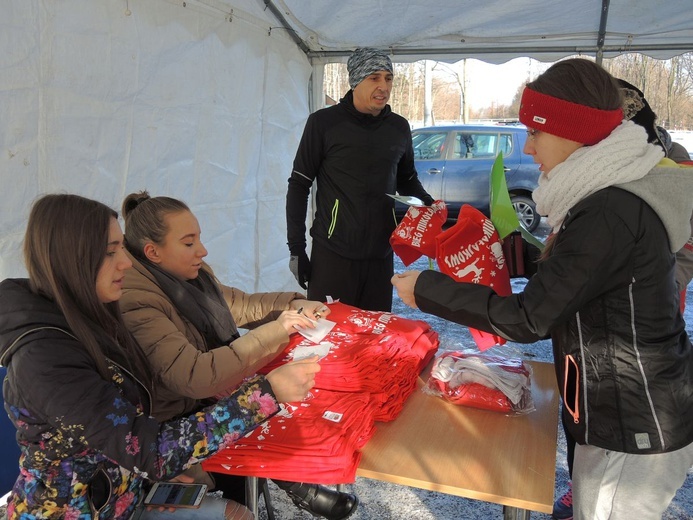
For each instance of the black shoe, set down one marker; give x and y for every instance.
(321, 501)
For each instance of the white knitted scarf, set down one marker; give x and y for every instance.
(625, 155)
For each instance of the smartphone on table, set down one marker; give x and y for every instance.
(175, 494)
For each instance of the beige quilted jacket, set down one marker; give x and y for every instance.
(187, 370)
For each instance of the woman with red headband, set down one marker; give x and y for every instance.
(604, 291)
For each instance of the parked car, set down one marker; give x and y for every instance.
(454, 165)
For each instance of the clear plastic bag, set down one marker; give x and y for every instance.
(489, 381)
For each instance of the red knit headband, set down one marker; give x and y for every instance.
(566, 119)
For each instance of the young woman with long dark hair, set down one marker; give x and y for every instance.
(78, 388)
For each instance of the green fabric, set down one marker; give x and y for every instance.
(503, 214)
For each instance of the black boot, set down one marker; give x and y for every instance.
(321, 501)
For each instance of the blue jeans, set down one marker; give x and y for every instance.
(211, 508)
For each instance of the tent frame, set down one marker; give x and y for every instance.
(598, 50)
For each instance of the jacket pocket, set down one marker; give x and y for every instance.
(333, 219)
(100, 491)
(571, 388)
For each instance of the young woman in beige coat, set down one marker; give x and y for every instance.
(187, 323)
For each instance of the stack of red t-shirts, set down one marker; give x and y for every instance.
(374, 362)
(317, 440)
(375, 352)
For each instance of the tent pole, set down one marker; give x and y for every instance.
(316, 93)
(316, 101)
(602, 31)
(280, 18)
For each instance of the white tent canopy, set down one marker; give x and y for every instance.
(493, 30)
(102, 98)
(205, 100)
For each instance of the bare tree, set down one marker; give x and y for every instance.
(458, 77)
(428, 94)
(667, 85)
(336, 80)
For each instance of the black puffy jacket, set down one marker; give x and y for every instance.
(88, 444)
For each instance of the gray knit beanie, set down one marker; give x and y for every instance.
(365, 61)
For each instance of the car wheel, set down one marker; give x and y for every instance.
(526, 211)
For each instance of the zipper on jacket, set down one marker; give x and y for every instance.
(148, 407)
(574, 407)
(581, 376)
(333, 221)
(25, 334)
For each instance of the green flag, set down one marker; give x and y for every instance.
(503, 213)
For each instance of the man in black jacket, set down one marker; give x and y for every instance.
(359, 151)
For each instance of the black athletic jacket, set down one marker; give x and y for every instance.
(357, 160)
(608, 298)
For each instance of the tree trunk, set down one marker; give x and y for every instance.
(428, 94)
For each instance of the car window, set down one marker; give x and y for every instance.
(472, 145)
(428, 145)
(506, 144)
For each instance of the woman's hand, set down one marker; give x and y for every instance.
(182, 479)
(161, 509)
(291, 382)
(312, 309)
(405, 283)
(294, 320)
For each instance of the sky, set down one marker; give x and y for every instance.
(490, 84)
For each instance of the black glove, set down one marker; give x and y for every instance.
(300, 268)
(427, 200)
